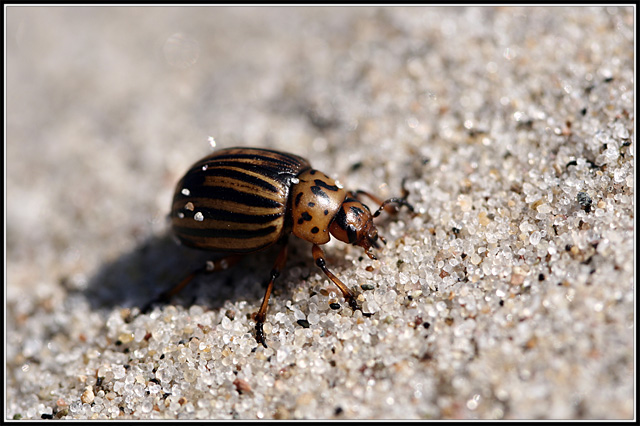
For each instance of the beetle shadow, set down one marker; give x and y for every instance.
(159, 263)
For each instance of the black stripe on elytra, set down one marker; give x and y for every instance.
(229, 194)
(241, 234)
(243, 177)
(229, 216)
(270, 170)
(279, 159)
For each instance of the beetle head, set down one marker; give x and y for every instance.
(353, 224)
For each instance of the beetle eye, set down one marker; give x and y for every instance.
(352, 234)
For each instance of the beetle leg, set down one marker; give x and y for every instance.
(350, 297)
(262, 313)
(211, 266)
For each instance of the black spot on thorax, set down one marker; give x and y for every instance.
(317, 191)
(320, 182)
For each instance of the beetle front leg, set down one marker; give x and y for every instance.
(211, 266)
(350, 297)
(262, 313)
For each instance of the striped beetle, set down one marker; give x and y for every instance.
(242, 200)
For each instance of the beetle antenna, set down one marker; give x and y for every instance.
(398, 201)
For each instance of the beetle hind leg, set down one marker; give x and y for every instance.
(211, 266)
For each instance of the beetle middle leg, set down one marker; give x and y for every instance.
(350, 297)
(275, 273)
(211, 266)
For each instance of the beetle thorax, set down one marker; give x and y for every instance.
(315, 201)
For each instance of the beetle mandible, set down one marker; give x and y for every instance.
(242, 200)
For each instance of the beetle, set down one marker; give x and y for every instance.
(242, 200)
